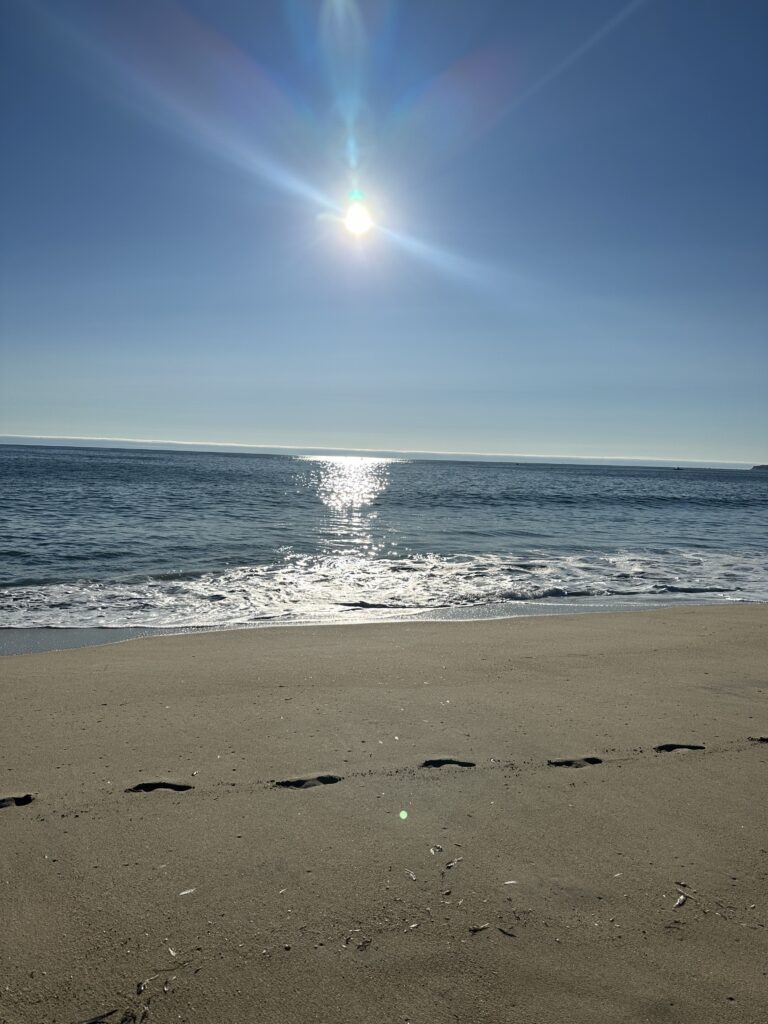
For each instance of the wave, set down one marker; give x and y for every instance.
(515, 499)
(312, 587)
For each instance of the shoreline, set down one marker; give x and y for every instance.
(20, 640)
(593, 769)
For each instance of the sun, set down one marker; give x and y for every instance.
(358, 220)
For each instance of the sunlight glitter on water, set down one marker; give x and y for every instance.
(347, 481)
(348, 486)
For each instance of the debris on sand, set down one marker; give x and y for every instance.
(363, 942)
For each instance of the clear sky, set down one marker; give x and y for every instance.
(571, 237)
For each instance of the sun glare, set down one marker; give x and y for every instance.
(358, 221)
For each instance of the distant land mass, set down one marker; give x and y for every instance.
(760, 467)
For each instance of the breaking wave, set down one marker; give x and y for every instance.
(303, 588)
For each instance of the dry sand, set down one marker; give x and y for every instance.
(238, 901)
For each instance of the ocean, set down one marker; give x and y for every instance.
(139, 539)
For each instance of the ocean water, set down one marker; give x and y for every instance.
(152, 539)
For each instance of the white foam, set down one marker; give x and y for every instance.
(317, 588)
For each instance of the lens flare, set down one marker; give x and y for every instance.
(358, 220)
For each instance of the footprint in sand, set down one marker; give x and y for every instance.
(441, 762)
(150, 787)
(665, 748)
(16, 801)
(309, 782)
(574, 762)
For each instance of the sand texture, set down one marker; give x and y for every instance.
(565, 871)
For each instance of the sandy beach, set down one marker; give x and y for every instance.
(565, 871)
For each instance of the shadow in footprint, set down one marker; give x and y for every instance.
(308, 783)
(665, 748)
(574, 762)
(102, 1018)
(440, 762)
(150, 787)
(16, 801)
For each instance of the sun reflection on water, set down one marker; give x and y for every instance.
(346, 482)
(348, 485)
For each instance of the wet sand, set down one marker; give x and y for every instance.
(535, 882)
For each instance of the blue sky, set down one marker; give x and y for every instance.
(571, 246)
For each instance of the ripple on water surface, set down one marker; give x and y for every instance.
(169, 539)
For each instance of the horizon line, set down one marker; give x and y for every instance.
(336, 449)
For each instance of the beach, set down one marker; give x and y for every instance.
(564, 871)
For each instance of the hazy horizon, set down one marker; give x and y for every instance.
(232, 447)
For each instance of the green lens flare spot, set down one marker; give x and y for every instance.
(403, 815)
(356, 196)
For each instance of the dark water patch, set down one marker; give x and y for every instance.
(518, 595)
(368, 604)
(670, 588)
